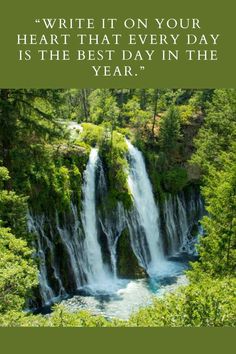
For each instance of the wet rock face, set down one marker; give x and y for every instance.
(127, 263)
(180, 215)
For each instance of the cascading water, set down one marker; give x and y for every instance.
(98, 276)
(81, 250)
(170, 225)
(71, 239)
(180, 215)
(112, 223)
(146, 214)
(184, 225)
(113, 230)
(44, 244)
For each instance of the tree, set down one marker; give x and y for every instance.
(26, 116)
(100, 101)
(216, 155)
(218, 132)
(218, 248)
(170, 131)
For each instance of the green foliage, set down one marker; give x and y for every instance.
(60, 317)
(51, 175)
(92, 134)
(218, 248)
(218, 132)
(116, 167)
(170, 130)
(28, 129)
(103, 107)
(127, 263)
(27, 115)
(74, 105)
(134, 115)
(18, 274)
(216, 155)
(13, 208)
(175, 179)
(186, 113)
(4, 176)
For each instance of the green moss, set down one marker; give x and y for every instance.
(92, 134)
(127, 264)
(113, 152)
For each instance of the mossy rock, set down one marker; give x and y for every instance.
(127, 263)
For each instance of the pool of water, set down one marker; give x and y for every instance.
(126, 296)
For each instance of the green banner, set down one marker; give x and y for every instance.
(105, 340)
(117, 44)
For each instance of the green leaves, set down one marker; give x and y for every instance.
(18, 274)
(218, 133)
(175, 179)
(170, 130)
(4, 176)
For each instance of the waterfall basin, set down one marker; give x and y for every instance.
(126, 296)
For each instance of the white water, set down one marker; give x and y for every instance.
(180, 215)
(112, 223)
(147, 214)
(184, 225)
(44, 244)
(98, 276)
(170, 222)
(71, 239)
(113, 231)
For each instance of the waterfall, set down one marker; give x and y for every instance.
(70, 236)
(183, 222)
(148, 248)
(87, 239)
(169, 214)
(180, 215)
(44, 244)
(112, 227)
(112, 222)
(97, 274)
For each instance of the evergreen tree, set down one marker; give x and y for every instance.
(170, 131)
(216, 155)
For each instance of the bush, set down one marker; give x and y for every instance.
(92, 134)
(18, 274)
